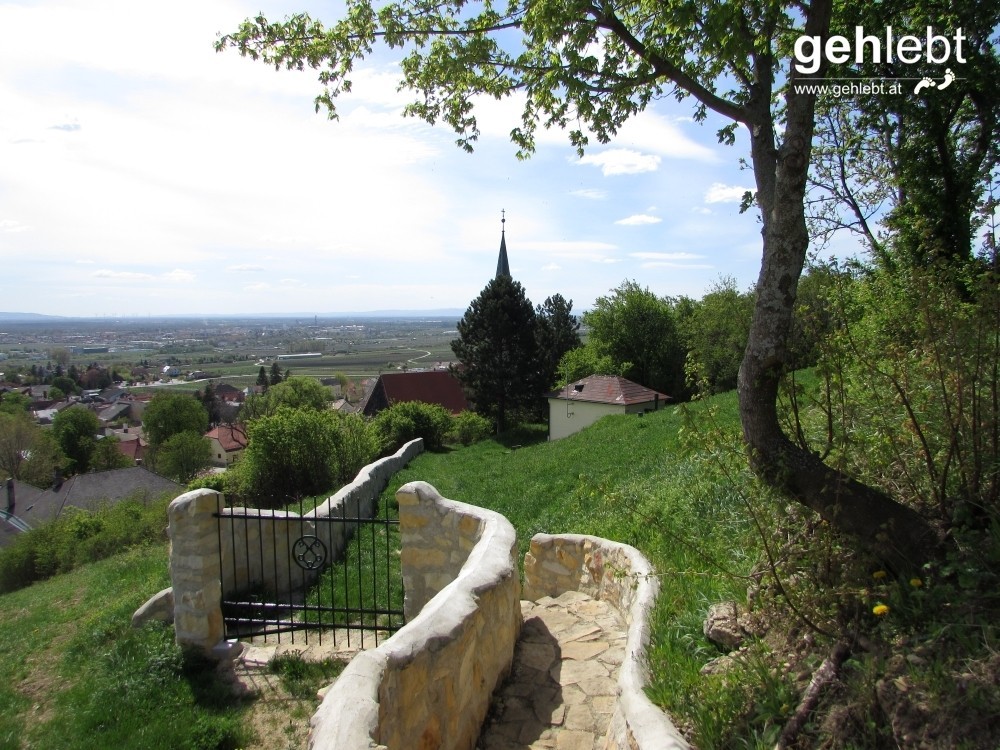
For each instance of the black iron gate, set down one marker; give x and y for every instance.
(286, 572)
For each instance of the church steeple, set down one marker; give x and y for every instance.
(503, 267)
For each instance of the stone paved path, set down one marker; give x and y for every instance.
(561, 690)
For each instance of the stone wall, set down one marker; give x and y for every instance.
(621, 576)
(196, 538)
(430, 685)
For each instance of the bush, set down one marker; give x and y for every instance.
(468, 428)
(215, 482)
(297, 453)
(409, 420)
(78, 537)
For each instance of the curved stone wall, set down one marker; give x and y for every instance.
(621, 576)
(430, 684)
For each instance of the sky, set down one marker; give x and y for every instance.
(142, 173)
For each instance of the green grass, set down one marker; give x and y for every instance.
(638, 481)
(303, 678)
(75, 674)
(101, 684)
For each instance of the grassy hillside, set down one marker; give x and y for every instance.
(635, 480)
(923, 662)
(74, 674)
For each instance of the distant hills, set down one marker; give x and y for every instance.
(456, 313)
(28, 316)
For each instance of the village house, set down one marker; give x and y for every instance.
(432, 387)
(228, 442)
(580, 404)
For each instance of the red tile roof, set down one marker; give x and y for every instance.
(608, 389)
(231, 437)
(432, 387)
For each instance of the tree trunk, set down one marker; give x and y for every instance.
(895, 533)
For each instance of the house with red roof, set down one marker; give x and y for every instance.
(431, 387)
(580, 404)
(228, 442)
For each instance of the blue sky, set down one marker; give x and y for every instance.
(142, 173)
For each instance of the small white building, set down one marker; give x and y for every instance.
(580, 404)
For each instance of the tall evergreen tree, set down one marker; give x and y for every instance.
(498, 351)
(557, 331)
(275, 374)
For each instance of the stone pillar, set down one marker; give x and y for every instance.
(194, 568)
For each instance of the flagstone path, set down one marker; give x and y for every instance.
(561, 691)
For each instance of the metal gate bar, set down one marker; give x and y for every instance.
(299, 604)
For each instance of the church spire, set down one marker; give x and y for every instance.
(503, 267)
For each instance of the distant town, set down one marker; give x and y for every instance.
(143, 352)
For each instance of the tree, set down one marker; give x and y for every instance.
(262, 380)
(557, 332)
(909, 174)
(275, 376)
(169, 414)
(66, 385)
(75, 429)
(585, 360)
(636, 330)
(210, 402)
(106, 455)
(294, 393)
(60, 355)
(183, 455)
(596, 65)
(497, 348)
(14, 402)
(715, 331)
(27, 452)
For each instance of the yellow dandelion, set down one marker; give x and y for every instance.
(878, 575)
(916, 583)
(880, 610)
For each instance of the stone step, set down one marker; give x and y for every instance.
(561, 690)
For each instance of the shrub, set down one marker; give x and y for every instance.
(468, 428)
(409, 420)
(299, 452)
(215, 482)
(78, 537)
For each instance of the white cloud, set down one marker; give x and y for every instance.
(622, 161)
(688, 266)
(9, 226)
(106, 273)
(590, 194)
(581, 251)
(665, 256)
(720, 193)
(639, 220)
(649, 131)
(246, 181)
